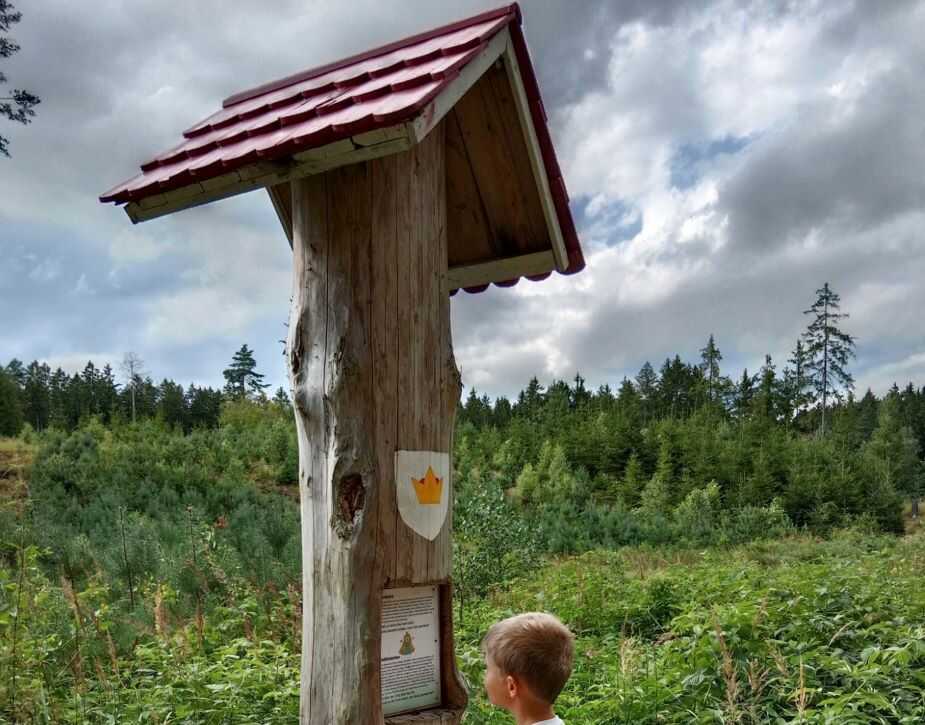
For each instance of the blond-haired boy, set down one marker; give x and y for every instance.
(528, 660)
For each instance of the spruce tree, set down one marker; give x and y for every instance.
(828, 349)
(894, 451)
(133, 370)
(656, 496)
(627, 396)
(15, 105)
(108, 393)
(868, 409)
(17, 372)
(767, 401)
(676, 384)
(57, 395)
(281, 398)
(647, 385)
(795, 382)
(743, 394)
(502, 412)
(35, 396)
(241, 377)
(710, 357)
(580, 394)
(10, 409)
(633, 482)
(530, 401)
(171, 405)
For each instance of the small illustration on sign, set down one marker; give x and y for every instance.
(407, 646)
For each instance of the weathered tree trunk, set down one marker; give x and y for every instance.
(372, 371)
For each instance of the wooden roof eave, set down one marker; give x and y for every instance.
(275, 175)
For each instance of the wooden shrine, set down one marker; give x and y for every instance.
(399, 175)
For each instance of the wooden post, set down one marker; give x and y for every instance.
(372, 372)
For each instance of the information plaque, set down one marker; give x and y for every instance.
(410, 664)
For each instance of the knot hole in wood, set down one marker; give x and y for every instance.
(351, 495)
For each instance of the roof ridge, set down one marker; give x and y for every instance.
(513, 10)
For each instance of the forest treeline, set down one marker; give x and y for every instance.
(797, 436)
(35, 395)
(686, 454)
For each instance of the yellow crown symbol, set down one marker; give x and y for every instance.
(429, 489)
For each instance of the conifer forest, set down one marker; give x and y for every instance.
(727, 545)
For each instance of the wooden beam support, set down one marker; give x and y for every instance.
(372, 372)
(281, 198)
(499, 270)
(536, 159)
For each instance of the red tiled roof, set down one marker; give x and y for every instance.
(373, 90)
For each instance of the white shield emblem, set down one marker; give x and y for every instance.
(422, 489)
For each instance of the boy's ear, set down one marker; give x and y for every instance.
(513, 686)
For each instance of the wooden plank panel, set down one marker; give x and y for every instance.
(494, 168)
(498, 87)
(384, 320)
(469, 237)
(406, 228)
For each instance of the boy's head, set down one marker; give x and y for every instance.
(527, 657)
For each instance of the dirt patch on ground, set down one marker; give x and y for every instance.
(913, 525)
(15, 461)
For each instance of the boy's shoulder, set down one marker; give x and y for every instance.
(554, 721)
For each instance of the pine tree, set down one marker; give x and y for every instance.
(17, 372)
(710, 357)
(828, 349)
(743, 394)
(108, 393)
(633, 481)
(35, 396)
(627, 397)
(530, 401)
(476, 410)
(16, 105)
(57, 395)
(766, 401)
(241, 377)
(171, 405)
(580, 394)
(868, 409)
(647, 385)
(204, 406)
(893, 450)
(795, 382)
(760, 486)
(10, 410)
(677, 384)
(90, 384)
(133, 370)
(281, 398)
(502, 412)
(657, 495)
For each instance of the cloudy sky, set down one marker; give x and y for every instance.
(724, 160)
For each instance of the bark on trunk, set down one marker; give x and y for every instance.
(372, 371)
